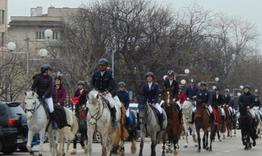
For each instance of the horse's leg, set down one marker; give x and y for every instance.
(90, 133)
(204, 140)
(206, 136)
(211, 133)
(153, 144)
(42, 139)
(175, 142)
(29, 140)
(198, 139)
(164, 144)
(142, 137)
(186, 135)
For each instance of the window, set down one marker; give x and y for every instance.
(40, 35)
(2, 17)
(55, 35)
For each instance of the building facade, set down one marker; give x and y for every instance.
(28, 32)
(3, 21)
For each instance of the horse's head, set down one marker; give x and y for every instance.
(31, 100)
(93, 100)
(168, 96)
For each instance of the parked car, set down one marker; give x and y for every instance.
(8, 131)
(21, 124)
(13, 127)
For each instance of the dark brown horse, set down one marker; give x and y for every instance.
(174, 126)
(228, 120)
(202, 122)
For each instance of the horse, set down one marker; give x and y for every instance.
(258, 112)
(247, 126)
(58, 137)
(218, 125)
(149, 125)
(228, 119)
(99, 119)
(174, 126)
(122, 135)
(202, 122)
(36, 119)
(187, 109)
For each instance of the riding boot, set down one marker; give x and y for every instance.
(113, 116)
(211, 119)
(53, 120)
(180, 116)
(193, 118)
(161, 120)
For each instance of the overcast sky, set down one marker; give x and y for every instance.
(250, 10)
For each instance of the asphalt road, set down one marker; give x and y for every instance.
(228, 147)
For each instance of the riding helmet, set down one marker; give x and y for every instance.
(171, 73)
(45, 67)
(81, 82)
(103, 61)
(122, 84)
(150, 74)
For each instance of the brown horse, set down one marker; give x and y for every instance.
(202, 122)
(228, 120)
(122, 135)
(174, 126)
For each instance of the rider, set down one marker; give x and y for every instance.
(247, 101)
(172, 84)
(58, 92)
(103, 82)
(217, 103)
(257, 100)
(203, 96)
(42, 85)
(191, 90)
(81, 93)
(123, 94)
(125, 100)
(150, 95)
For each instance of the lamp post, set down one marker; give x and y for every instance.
(48, 33)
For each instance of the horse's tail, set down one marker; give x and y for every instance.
(72, 130)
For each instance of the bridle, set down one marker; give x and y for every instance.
(32, 110)
(99, 113)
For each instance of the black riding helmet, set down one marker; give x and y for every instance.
(203, 83)
(171, 73)
(150, 74)
(122, 84)
(58, 78)
(45, 67)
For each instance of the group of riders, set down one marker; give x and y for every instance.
(53, 94)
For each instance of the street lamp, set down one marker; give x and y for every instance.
(241, 87)
(43, 53)
(183, 82)
(187, 71)
(11, 46)
(217, 79)
(48, 33)
(214, 87)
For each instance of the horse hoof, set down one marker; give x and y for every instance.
(196, 145)
(175, 153)
(185, 146)
(199, 150)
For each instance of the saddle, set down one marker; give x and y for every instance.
(59, 116)
(160, 116)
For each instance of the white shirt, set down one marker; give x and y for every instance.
(150, 85)
(170, 82)
(102, 73)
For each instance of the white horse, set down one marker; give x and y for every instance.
(99, 119)
(187, 109)
(58, 137)
(36, 119)
(258, 112)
